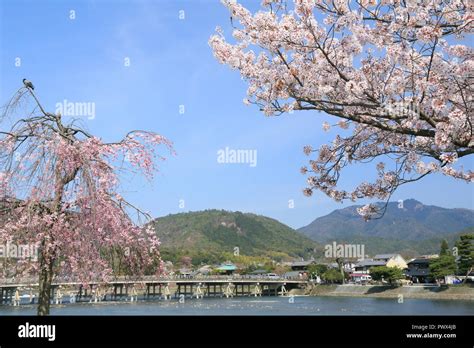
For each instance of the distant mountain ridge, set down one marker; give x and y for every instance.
(209, 234)
(407, 226)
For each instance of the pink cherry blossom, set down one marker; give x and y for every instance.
(398, 75)
(59, 189)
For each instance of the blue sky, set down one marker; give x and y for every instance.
(171, 64)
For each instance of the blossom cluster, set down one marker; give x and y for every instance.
(397, 74)
(62, 192)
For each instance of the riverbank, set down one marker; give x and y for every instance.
(458, 292)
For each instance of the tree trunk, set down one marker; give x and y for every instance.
(45, 281)
(467, 274)
(47, 259)
(341, 269)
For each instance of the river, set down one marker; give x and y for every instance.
(303, 305)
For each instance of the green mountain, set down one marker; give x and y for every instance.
(211, 236)
(411, 229)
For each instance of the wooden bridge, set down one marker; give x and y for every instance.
(20, 291)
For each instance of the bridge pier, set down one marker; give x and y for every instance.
(57, 296)
(16, 298)
(166, 292)
(229, 290)
(134, 294)
(32, 297)
(257, 290)
(81, 293)
(198, 292)
(3, 296)
(96, 294)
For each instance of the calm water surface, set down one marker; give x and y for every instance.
(260, 306)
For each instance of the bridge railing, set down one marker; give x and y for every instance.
(28, 281)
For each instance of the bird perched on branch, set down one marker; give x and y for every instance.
(28, 84)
